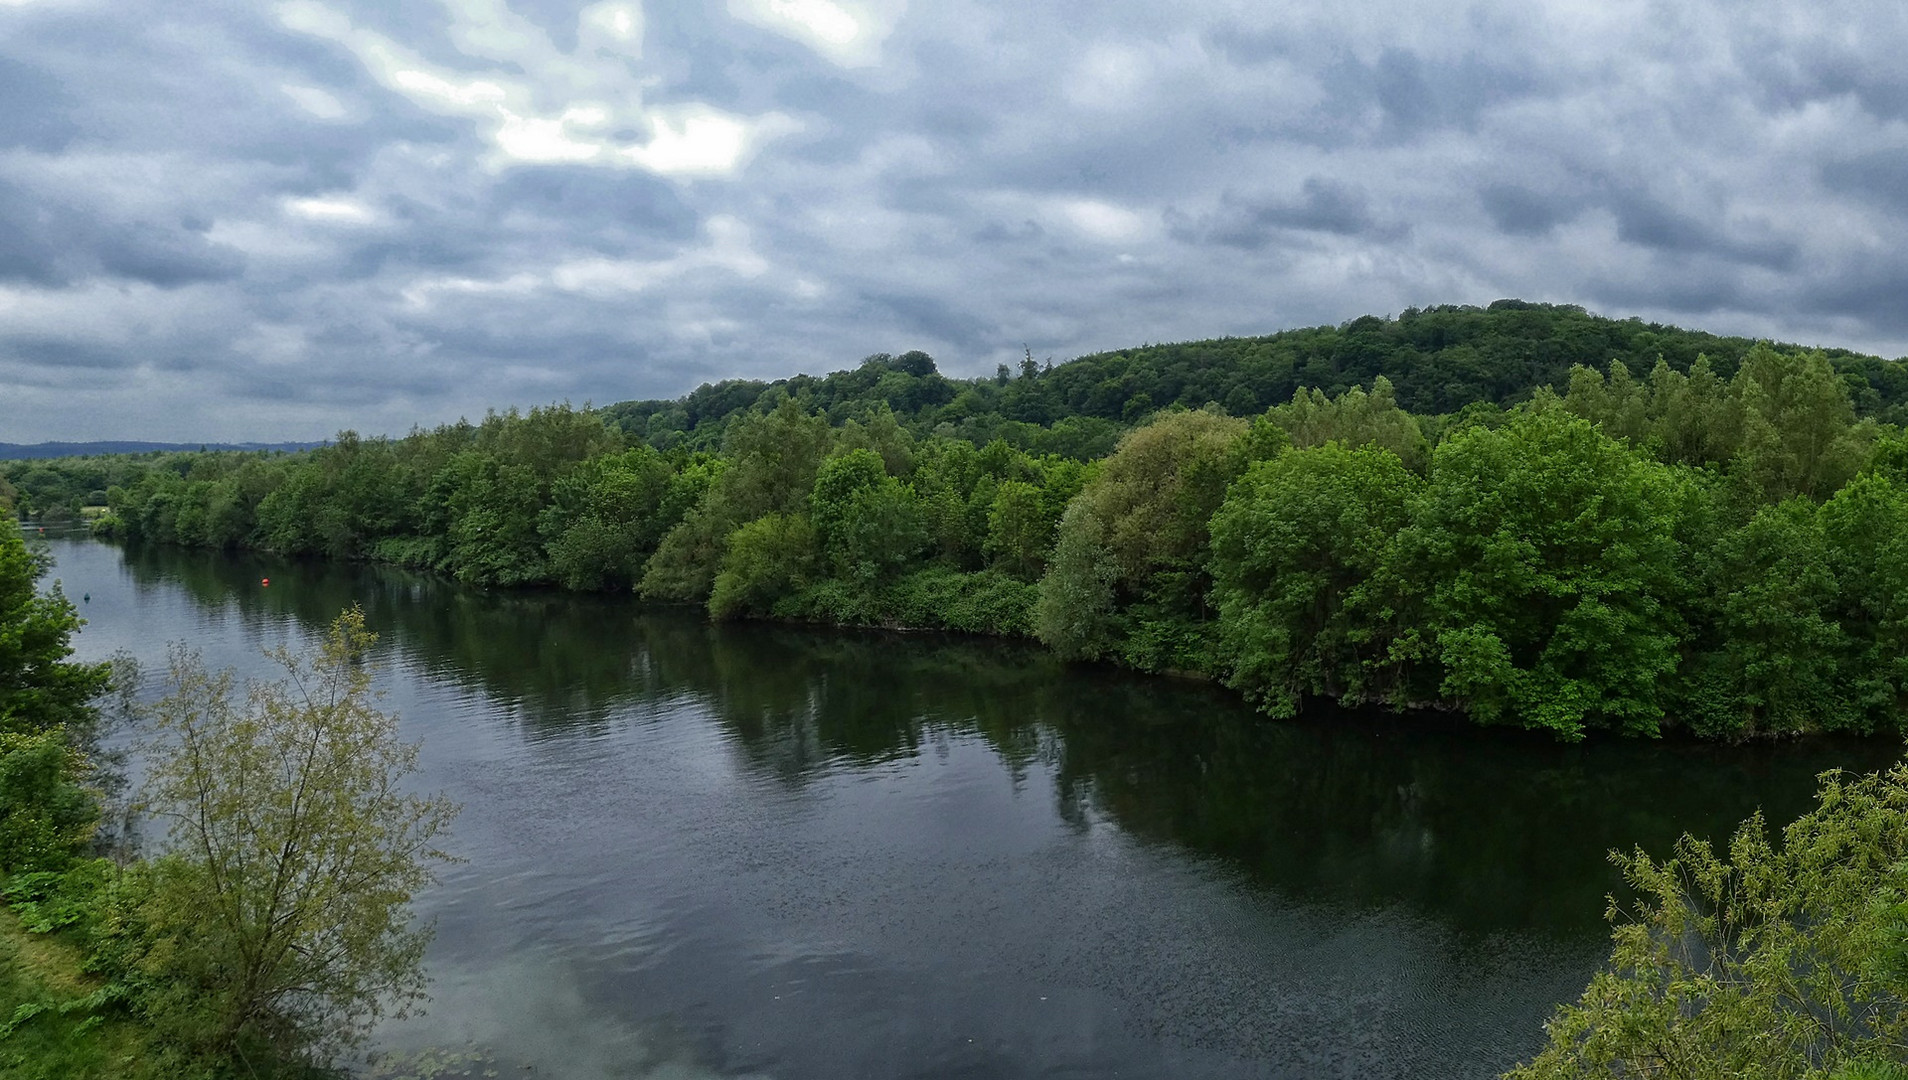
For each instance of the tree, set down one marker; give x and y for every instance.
(769, 558)
(1297, 536)
(1769, 650)
(606, 517)
(1354, 419)
(284, 897)
(40, 688)
(1020, 527)
(46, 814)
(1774, 960)
(1074, 613)
(1128, 566)
(1539, 576)
(867, 522)
(1866, 528)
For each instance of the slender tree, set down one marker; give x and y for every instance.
(284, 899)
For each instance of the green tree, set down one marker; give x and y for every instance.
(284, 896)
(1775, 960)
(1020, 527)
(40, 687)
(1354, 418)
(769, 558)
(1539, 578)
(1770, 652)
(1866, 528)
(1074, 615)
(46, 814)
(1139, 526)
(606, 517)
(1297, 537)
(771, 463)
(867, 522)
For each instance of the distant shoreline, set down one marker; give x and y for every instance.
(24, 451)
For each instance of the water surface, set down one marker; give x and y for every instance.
(762, 851)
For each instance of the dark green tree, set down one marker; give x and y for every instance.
(1539, 579)
(1297, 539)
(41, 688)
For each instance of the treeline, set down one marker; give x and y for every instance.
(1681, 550)
(1694, 548)
(1438, 360)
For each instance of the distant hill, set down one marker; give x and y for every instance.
(18, 451)
(1439, 359)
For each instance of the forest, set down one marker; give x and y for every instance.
(1530, 514)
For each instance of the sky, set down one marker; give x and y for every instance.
(257, 220)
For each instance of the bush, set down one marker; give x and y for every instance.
(46, 816)
(1779, 960)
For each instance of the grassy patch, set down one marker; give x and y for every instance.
(49, 1027)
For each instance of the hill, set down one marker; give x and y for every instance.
(1439, 360)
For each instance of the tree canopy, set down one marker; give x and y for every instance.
(1485, 510)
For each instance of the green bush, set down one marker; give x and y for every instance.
(46, 816)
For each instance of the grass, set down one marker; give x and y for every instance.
(43, 1041)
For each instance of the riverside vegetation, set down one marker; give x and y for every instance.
(1714, 546)
(1453, 509)
(269, 930)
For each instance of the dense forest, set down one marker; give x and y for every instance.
(1541, 517)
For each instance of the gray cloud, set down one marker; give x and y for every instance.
(1525, 212)
(1879, 177)
(226, 220)
(46, 242)
(1253, 222)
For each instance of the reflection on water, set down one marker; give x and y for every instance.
(756, 850)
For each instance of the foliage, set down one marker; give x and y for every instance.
(867, 522)
(283, 900)
(1127, 573)
(1074, 615)
(40, 689)
(1768, 652)
(1540, 576)
(1353, 419)
(1716, 544)
(65, 1022)
(1866, 528)
(770, 557)
(1776, 959)
(46, 815)
(1293, 546)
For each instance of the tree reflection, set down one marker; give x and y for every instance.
(1483, 830)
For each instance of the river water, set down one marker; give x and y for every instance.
(697, 851)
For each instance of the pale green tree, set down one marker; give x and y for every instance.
(283, 901)
(1776, 959)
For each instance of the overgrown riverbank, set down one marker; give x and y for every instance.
(270, 929)
(1714, 546)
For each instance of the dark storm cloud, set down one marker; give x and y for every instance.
(1879, 177)
(36, 115)
(935, 318)
(1252, 222)
(44, 241)
(1525, 212)
(1649, 222)
(372, 213)
(1872, 288)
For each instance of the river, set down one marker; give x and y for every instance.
(755, 850)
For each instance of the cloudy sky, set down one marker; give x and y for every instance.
(240, 219)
